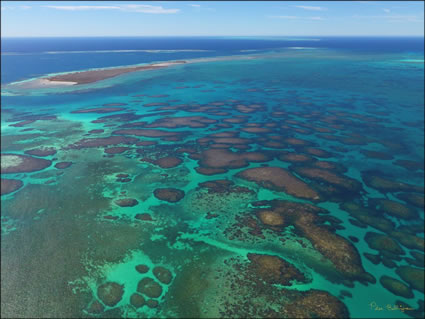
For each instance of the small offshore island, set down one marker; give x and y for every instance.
(91, 76)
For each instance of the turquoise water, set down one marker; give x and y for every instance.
(64, 236)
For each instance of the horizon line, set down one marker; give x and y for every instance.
(247, 36)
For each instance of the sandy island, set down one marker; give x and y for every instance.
(91, 76)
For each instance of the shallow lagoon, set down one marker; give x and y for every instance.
(263, 187)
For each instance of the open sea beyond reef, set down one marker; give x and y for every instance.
(274, 177)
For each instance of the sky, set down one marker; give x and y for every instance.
(210, 18)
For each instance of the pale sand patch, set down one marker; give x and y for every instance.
(167, 63)
(49, 83)
(42, 84)
(10, 161)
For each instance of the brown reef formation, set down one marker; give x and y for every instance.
(10, 185)
(310, 225)
(15, 163)
(279, 179)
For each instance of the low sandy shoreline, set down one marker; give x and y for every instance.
(49, 83)
(91, 76)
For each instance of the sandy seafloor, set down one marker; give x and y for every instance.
(65, 238)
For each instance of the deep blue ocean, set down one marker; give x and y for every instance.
(31, 57)
(277, 177)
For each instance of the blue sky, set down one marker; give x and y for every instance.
(209, 18)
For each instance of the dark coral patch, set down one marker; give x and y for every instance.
(62, 165)
(317, 152)
(110, 293)
(410, 165)
(10, 185)
(408, 240)
(376, 155)
(366, 216)
(333, 166)
(142, 269)
(22, 123)
(96, 308)
(323, 175)
(149, 287)
(116, 150)
(392, 208)
(224, 186)
(171, 195)
(149, 133)
(275, 270)
(256, 130)
(279, 179)
(374, 259)
(210, 171)
(137, 300)
(420, 258)
(413, 199)
(123, 180)
(114, 104)
(96, 131)
(47, 151)
(226, 159)
(151, 303)
(413, 276)
(383, 243)
(295, 158)
(185, 121)
(272, 144)
(396, 287)
(163, 275)
(297, 142)
(316, 304)
(146, 143)
(110, 217)
(126, 202)
(102, 142)
(100, 110)
(144, 217)
(354, 239)
(14, 163)
(121, 117)
(385, 185)
(158, 95)
(168, 162)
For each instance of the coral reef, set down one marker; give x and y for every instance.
(126, 202)
(14, 163)
(275, 270)
(10, 185)
(163, 274)
(149, 287)
(413, 276)
(279, 179)
(45, 151)
(171, 195)
(110, 293)
(63, 165)
(396, 287)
